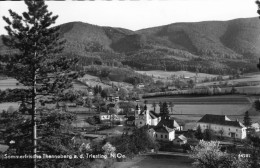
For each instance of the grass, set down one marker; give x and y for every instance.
(5, 106)
(226, 99)
(9, 83)
(168, 74)
(157, 161)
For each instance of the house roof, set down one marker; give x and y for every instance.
(182, 137)
(163, 129)
(169, 123)
(220, 120)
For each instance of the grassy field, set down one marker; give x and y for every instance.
(226, 99)
(192, 109)
(157, 161)
(9, 83)
(5, 106)
(165, 75)
(168, 74)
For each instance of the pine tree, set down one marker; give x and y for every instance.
(37, 62)
(198, 133)
(171, 105)
(154, 106)
(247, 119)
(164, 110)
(258, 11)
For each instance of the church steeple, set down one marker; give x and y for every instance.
(137, 110)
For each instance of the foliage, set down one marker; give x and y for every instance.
(123, 93)
(54, 138)
(247, 120)
(154, 106)
(208, 155)
(138, 141)
(198, 133)
(208, 135)
(109, 149)
(164, 110)
(257, 105)
(119, 74)
(40, 67)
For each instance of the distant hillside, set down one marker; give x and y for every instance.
(210, 47)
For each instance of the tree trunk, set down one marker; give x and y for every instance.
(34, 122)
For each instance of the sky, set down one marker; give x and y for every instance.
(135, 15)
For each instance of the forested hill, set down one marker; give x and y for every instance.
(210, 46)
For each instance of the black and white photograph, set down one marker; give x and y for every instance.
(130, 84)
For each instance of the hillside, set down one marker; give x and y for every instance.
(210, 47)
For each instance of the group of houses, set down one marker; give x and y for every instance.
(165, 128)
(162, 128)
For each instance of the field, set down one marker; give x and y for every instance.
(157, 161)
(191, 110)
(9, 83)
(249, 79)
(164, 75)
(168, 74)
(202, 100)
(5, 106)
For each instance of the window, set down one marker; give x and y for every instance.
(161, 136)
(140, 122)
(229, 129)
(156, 135)
(236, 130)
(166, 136)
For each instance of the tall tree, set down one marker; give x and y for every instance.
(258, 11)
(164, 110)
(171, 105)
(247, 120)
(198, 133)
(36, 63)
(154, 106)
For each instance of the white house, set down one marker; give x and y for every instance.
(162, 133)
(107, 116)
(222, 126)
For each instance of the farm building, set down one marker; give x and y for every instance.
(222, 126)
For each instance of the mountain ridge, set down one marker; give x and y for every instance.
(206, 46)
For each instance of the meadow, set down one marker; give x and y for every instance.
(6, 105)
(190, 110)
(169, 74)
(225, 99)
(157, 161)
(9, 83)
